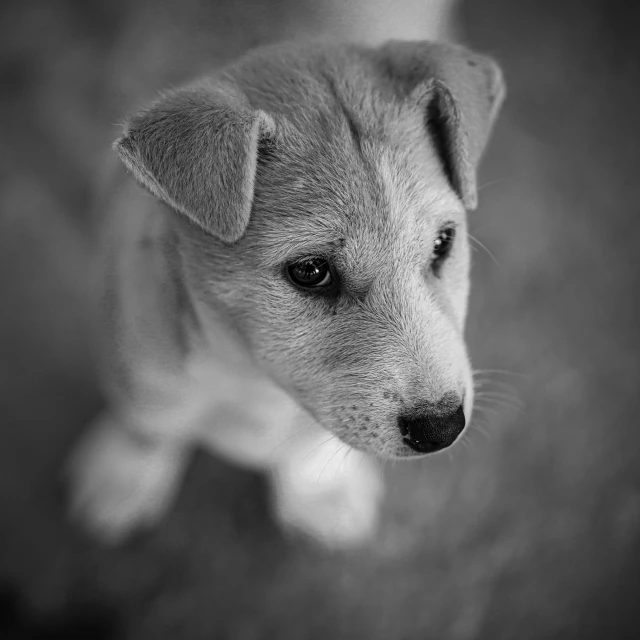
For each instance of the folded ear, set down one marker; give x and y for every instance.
(460, 94)
(196, 149)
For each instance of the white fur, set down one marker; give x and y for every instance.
(221, 395)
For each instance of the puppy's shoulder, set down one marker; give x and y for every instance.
(145, 310)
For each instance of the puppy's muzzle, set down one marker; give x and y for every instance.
(430, 432)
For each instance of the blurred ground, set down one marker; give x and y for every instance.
(531, 532)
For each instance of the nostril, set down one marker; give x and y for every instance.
(431, 431)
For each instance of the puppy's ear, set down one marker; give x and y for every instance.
(459, 93)
(196, 149)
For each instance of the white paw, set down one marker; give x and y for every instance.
(329, 492)
(118, 484)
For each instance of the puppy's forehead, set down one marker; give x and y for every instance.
(305, 84)
(352, 164)
(338, 93)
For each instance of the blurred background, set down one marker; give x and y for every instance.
(530, 531)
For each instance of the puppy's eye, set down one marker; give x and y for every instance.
(442, 246)
(310, 273)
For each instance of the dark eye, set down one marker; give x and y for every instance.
(310, 273)
(442, 246)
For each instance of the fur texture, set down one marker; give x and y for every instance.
(358, 155)
(194, 143)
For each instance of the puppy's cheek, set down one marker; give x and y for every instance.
(285, 334)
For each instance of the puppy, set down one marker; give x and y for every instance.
(284, 280)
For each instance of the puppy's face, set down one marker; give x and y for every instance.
(349, 284)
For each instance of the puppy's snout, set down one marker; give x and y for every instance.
(427, 432)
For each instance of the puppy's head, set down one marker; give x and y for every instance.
(323, 193)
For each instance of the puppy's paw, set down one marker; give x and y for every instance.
(119, 484)
(331, 493)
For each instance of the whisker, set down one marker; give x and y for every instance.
(493, 396)
(497, 393)
(288, 439)
(344, 459)
(505, 389)
(482, 246)
(314, 449)
(335, 453)
(491, 183)
(500, 372)
(496, 407)
(499, 412)
(481, 429)
(498, 385)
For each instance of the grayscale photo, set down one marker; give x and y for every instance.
(319, 320)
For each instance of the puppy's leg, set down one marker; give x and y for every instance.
(126, 470)
(327, 490)
(321, 486)
(122, 481)
(127, 467)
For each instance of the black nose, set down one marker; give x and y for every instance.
(427, 432)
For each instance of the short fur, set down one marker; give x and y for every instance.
(356, 154)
